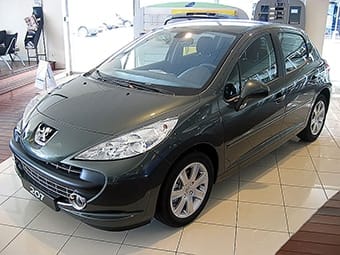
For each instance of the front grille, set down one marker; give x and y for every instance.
(47, 184)
(66, 168)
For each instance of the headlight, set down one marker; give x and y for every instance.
(31, 106)
(131, 144)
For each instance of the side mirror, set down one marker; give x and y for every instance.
(252, 89)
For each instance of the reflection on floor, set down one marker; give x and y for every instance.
(12, 105)
(17, 68)
(253, 212)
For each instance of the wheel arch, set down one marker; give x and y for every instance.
(208, 150)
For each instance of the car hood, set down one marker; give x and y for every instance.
(104, 108)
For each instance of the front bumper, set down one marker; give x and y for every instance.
(113, 203)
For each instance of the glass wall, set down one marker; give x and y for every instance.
(97, 29)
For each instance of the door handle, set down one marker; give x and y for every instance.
(280, 97)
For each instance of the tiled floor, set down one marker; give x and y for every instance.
(254, 212)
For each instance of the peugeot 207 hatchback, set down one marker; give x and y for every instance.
(149, 131)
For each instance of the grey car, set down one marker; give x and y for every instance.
(150, 130)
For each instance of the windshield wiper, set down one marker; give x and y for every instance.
(139, 85)
(100, 76)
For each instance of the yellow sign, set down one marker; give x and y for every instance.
(193, 10)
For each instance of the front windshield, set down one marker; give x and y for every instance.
(171, 59)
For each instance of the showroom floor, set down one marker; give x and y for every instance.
(254, 212)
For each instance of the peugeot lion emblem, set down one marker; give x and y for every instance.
(43, 134)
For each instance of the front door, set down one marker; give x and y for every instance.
(259, 121)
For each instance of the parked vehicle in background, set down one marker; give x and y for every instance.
(149, 131)
(116, 22)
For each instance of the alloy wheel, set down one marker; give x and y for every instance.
(318, 117)
(189, 190)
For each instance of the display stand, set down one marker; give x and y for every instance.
(34, 30)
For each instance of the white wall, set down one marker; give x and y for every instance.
(54, 32)
(12, 14)
(316, 18)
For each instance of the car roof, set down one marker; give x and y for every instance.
(234, 26)
(193, 16)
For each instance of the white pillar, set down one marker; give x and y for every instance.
(316, 17)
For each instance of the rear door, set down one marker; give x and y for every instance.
(301, 71)
(259, 122)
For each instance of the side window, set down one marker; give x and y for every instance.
(294, 50)
(258, 61)
(312, 52)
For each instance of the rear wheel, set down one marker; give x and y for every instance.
(316, 120)
(186, 190)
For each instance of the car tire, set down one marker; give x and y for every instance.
(316, 120)
(83, 31)
(186, 190)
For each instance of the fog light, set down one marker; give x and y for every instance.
(78, 202)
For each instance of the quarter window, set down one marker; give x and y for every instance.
(294, 50)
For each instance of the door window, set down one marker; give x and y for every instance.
(258, 62)
(294, 50)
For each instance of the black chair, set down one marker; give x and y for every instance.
(2, 37)
(8, 48)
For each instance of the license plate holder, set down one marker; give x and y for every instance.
(40, 195)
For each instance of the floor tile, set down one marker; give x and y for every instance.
(87, 231)
(154, 235)
(325, 133)
(330, 180)
(268, 161)
(297, 217)
(260, 174)
(2, 199)
(9, 170)
(225, 190)
(5, 164)
(82, 246)
(323, 141)
(219, 212)
(325, 152)
(7, 233)
(9, 184)
(23, 193)
(296, 162)
(292, 148)
(304, 197)
(35, 242)
(250, 241)
(56, 222)
(332, 123)
(331, 192)
(260, 193)
(337, 140)
(130, 250)
(327, 165)
(19, 212)
(259, 216)
(206, 239)
(293, 177)
(334, 131)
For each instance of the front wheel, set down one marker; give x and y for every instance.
(316, 120)
(186, 190)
